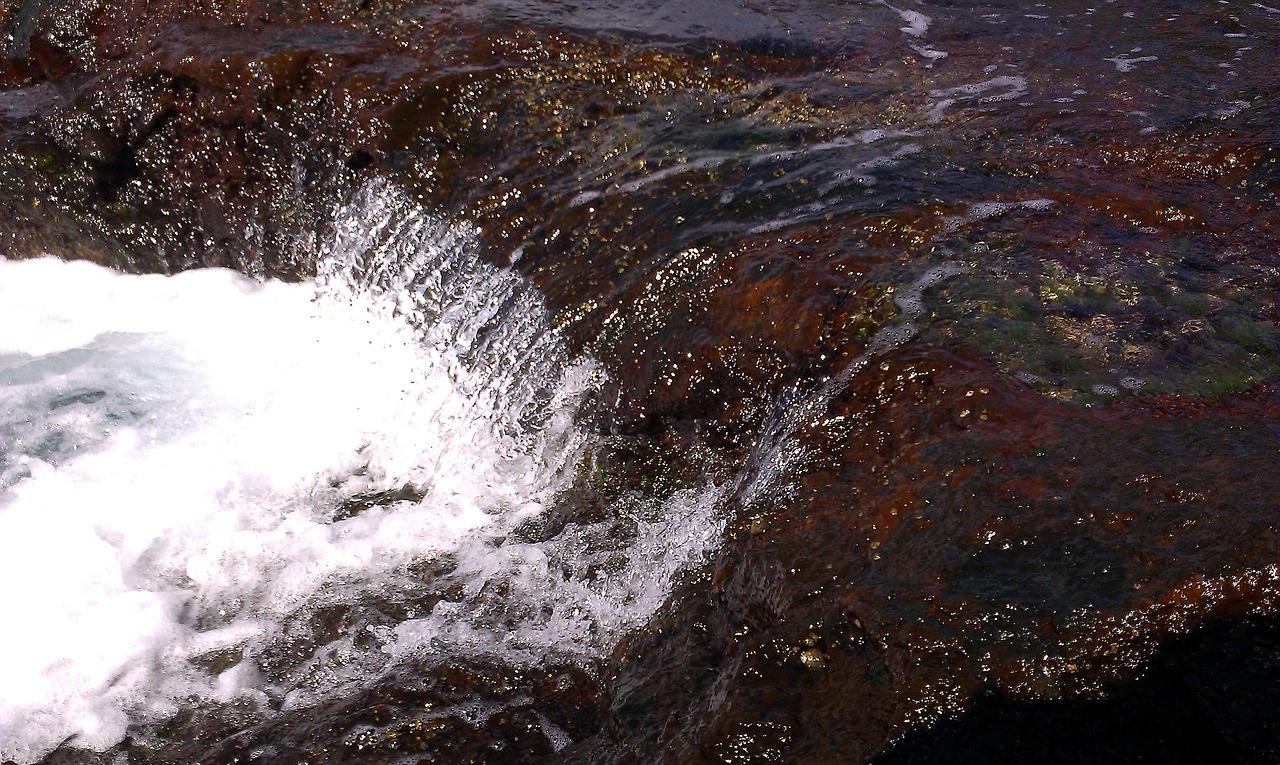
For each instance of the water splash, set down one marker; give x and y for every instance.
(217, 491)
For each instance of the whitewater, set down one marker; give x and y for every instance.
(195, 468)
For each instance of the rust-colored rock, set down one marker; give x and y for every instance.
(1057, 494)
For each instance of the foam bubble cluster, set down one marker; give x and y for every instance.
(995, 90)
(984, 210)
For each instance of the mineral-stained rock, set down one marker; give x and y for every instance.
(962, 534)
(1050, 496)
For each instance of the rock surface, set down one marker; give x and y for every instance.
(986, 341)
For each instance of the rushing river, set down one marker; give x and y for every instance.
(637, 382)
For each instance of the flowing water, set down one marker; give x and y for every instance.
(204, 465)
(630, 382)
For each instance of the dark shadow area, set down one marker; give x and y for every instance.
(1211, 697)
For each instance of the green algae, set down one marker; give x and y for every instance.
(1180, 322)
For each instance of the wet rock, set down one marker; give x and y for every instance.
(1199, 700)
(936, 555)
(1060, 469)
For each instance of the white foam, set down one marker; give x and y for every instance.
(558, 737)
(1125, 64)
(586, 197)
(175, 452)
(930, 54)
(868, 136)
(785, 154)
(1007, 87)
(910, 299)
(917, 22)
(891, 159)
(1232, 109)
(807, 212)
(656, 176)
(861, 173)
(985, 210)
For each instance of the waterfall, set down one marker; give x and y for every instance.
(219, 491)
